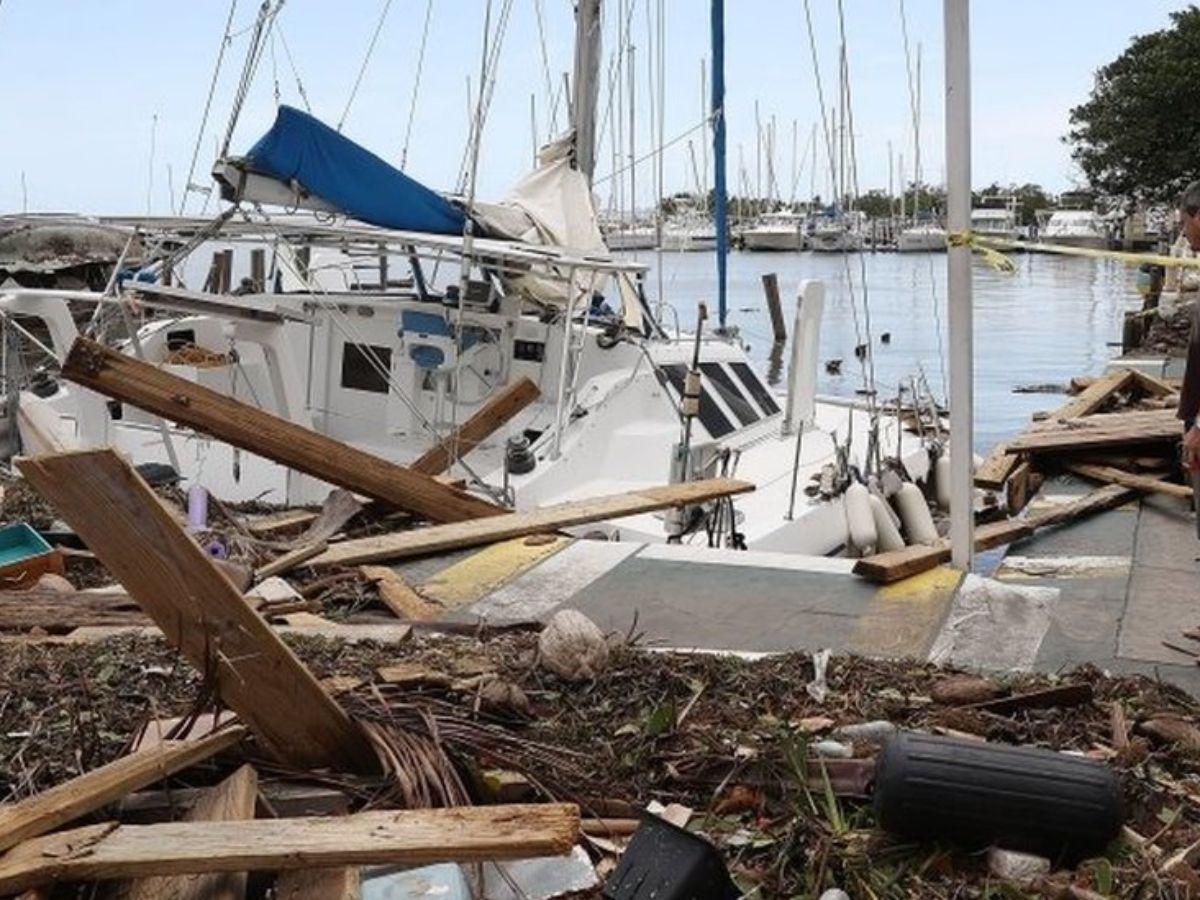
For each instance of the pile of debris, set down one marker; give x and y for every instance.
(1119, 430)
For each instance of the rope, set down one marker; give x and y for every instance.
(362, 70)
(212, 87)
(261, 27)
(287, 52)
(551, 93)
(412, 105)
(653, 153)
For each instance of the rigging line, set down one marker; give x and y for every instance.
(412, 105)
(490, 63)
(362, 70)
(262, 27)
(212, 88)
(287, 52)
(551, 93)
(653, 153)
(275, 73)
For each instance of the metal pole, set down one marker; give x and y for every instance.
(958, 184)
(720, 217)
(586, 83)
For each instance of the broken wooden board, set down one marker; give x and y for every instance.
(894, 565)
(1155, 387)
(499, 409)
(129, 380)
(399, 596)
(231, 800)
(438, 538)
(1022, 484)
(1096, 394)
(402, 837)
(60, 611)
(199, 609)
(1108, 497)
(995, 469)
(95, 789)
(1060, 695)
(1110, 475)
(1105, 430)
(289, 560)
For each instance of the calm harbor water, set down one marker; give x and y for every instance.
(1056, 317)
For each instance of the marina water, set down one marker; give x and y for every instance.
(1054, 318)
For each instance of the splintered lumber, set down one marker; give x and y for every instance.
(231, 800)
(55, 611)
(319, 884)
(884, 568)
(498, 410)
(285, 799)
(198, 608)
(289, 561)
(129, 380)
(995, 469)
(439, 538)
(88, 792)
(1153, 386)
(1111, 475)
(399, 596)
(1105, 430)
(404, 837)
(1096, 394)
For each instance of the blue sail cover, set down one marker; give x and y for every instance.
(350, 177)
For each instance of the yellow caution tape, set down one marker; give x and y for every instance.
(1123, 256)
(992, 257)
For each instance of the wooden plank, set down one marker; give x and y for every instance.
(995, 469)
(885, 568)
(1108, 497)
(230, 801)
(95, 789)
(438, 538)
(1110, 475)
(1096, 394)
(59, 611)
(398, 596)
(289, 560)
(127, 379)
(404, 837)
(198, 608)
(1109, 431)
(1022, 484)
(1153, 386)
(319, 884)
(499, 409)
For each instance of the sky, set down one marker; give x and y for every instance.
(103, 99)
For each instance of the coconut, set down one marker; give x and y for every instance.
(572, 646)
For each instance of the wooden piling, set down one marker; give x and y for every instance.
(771, 288)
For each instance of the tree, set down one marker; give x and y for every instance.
(1137, 137)
(876, 204)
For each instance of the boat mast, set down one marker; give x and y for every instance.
(958, 221)
(586, 83)
(720, 218)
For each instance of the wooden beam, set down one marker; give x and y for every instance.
(404, 837)
(399, 596)
(199, 609)
(499, 409)
(320, 884)
(1108, 497)
(60, 611)
(995, 469)
(438, 538)
(289, 560)
(276, 799)
(884, 568)
(95, 789)
(1108, 431)
(129, 380)
(1153, 386)
(1110, 475)
(1095, 395)
(230, 801)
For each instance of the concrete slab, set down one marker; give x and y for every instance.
(1166, 536)
(1161, 604)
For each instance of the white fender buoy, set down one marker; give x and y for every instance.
(941, 482)
(914, 513)
(885, 528)
(860, 521)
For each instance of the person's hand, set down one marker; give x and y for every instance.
(1191, 449)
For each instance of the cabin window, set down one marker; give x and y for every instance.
(727, 391)
(715, 422)
(757, 389)
(179, 339)
(365, 367)
(529, 351)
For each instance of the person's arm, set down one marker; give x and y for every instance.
(1189, 399)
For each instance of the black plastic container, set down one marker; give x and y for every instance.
(663, 862)
(1020, 798)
